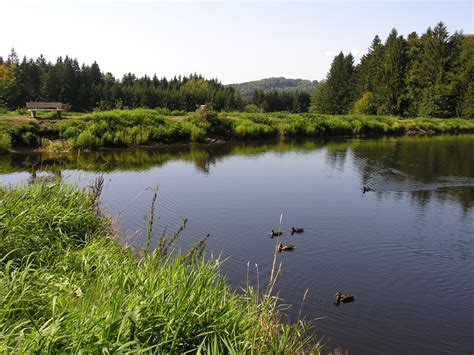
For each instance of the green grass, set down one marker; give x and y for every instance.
(123, 128)
(67, 285)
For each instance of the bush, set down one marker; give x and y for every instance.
(366, 104)
(30, 139)
(206, 112)
(252, 108)
(70, 132)
(5, 142)
(21, 111)
(85, 140)
(193, 130)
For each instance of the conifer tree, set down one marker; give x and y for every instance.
(390, 92)
(336, 94)
(466, 77)
(438, 97)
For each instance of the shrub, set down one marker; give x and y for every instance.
(5, 142)
(366, 104)
(190, 129)
(217, 125)
(206, 112)
(30, 139)
(85, 140)
(21, 111)
(252, 108)
(71, 132)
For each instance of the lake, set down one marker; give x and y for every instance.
(405, 248)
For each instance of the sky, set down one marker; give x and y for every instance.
(231, 41)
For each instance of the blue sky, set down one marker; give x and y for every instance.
(233, 41)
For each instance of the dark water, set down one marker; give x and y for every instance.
(404, 249)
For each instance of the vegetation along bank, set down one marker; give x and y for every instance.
(122, 128)
(67, 285)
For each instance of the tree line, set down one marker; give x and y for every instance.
(281, 100)
(86, 87)
(429, 75)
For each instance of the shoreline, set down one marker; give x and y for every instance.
(209, 142)
(151, 129)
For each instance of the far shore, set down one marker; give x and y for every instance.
(158, 128)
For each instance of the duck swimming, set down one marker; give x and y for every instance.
(275, 233)
(366, 189)
(296, 230)
(284, 247)
(340, 297)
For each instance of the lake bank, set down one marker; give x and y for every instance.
(145, 127)
(69, 286)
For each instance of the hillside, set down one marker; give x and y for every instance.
(247, 89)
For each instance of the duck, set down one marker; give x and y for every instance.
(340, 297)
(284, 247)
(366, 189)
(296, 230)
(275, 233)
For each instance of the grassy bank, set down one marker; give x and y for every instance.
(121, 128)
(67, 285)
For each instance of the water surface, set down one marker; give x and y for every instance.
(404, 249)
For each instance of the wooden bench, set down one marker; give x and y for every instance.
(44, 106)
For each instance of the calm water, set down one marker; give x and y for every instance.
(404, 249)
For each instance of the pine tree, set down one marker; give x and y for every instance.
(414, 87)
(336, 94)
(368, 72)
(390, 93)
(466, 78)
(438, 99)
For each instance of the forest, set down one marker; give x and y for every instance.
(86, 88)
(428, 75)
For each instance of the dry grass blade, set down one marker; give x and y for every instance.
(151, 220)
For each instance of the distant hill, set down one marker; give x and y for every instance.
(247, 89)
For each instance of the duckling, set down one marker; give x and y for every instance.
(275, 233)
(284, 247)
(296, 230)
(343, 298)
(366, 189)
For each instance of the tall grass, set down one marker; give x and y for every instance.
(145, 127)
(67, 285)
